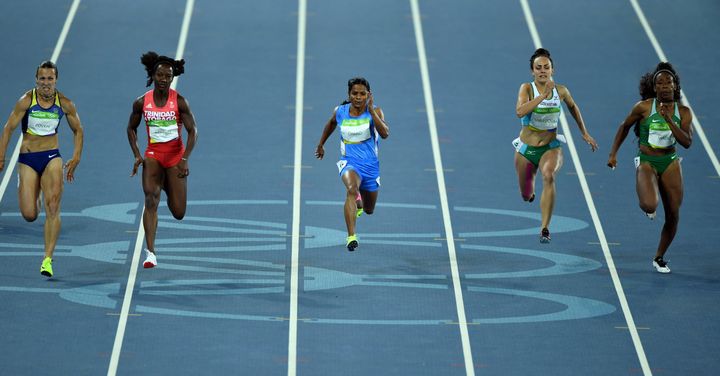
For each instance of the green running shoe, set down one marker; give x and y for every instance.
(46, 267)
(352, 242)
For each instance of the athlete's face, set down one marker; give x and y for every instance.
(665, 87)
(45, 82)
(358, 95)
(542, 69)
(163, 76)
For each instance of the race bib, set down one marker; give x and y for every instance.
(660, 135)
(355, 131)
(163, 130)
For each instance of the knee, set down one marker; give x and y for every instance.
(548, 177)
(368, 211)
(353, 191)
(29, 216)
(52, 208)
(178, 214)
(151, 202)
(528, 196)
(648, 206)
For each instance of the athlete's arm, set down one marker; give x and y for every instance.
(133, 123)
(524, 105)
(74, 122)
(575, 112)
(188, 120)
(12, 122)
(327, 131)
(683, 132)
(636, 114)
(378, 118)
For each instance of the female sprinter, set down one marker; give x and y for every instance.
(538, 147)
(165, 164)
(661, 122)
(360, 125)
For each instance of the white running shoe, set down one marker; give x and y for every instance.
(150, 260)
(660, 265)
(651, 215)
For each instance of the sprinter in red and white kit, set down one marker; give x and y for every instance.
(165, 163)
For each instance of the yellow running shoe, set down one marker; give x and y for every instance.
(352, 242)
(46, 267)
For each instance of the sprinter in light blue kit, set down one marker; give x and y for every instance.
(361, 123)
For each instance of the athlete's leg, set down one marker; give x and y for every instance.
(647, 187)
(369, 199)
(176, 190)
(28, 192)
(51, 183)
(153, 175)
(351, 179)
(550, 163)
(671, 192)
(526, 177)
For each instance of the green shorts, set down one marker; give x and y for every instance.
(534, 153)
(659, 163)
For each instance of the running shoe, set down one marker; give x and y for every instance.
(352, 242)
(661, 265)
(545, 236)
(46, 267)
(150, 260)
(651, 215)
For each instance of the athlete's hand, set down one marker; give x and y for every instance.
(2, 164)
(319, 152)
(370, 101)
(591, 141)
(138, 162)
(549, 86)
(183, 167)
(70, 169)
(665, 112)
(612, 161)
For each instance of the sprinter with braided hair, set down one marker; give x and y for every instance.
(661, 121)
(165, 163)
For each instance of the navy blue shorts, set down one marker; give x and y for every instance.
(38, 160)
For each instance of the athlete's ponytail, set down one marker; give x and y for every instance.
(151, 60)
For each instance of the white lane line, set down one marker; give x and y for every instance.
(9, 167)
(661, 55)
(130, 287)
(297, 172)
(593, 213)
(440, 174)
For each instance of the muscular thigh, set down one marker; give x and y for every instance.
(28, 186)
(153, 175)
(51, 181)
(175, 187)
(671, 183)
(551, 161)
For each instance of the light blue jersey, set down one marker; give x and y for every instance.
(358, 143)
